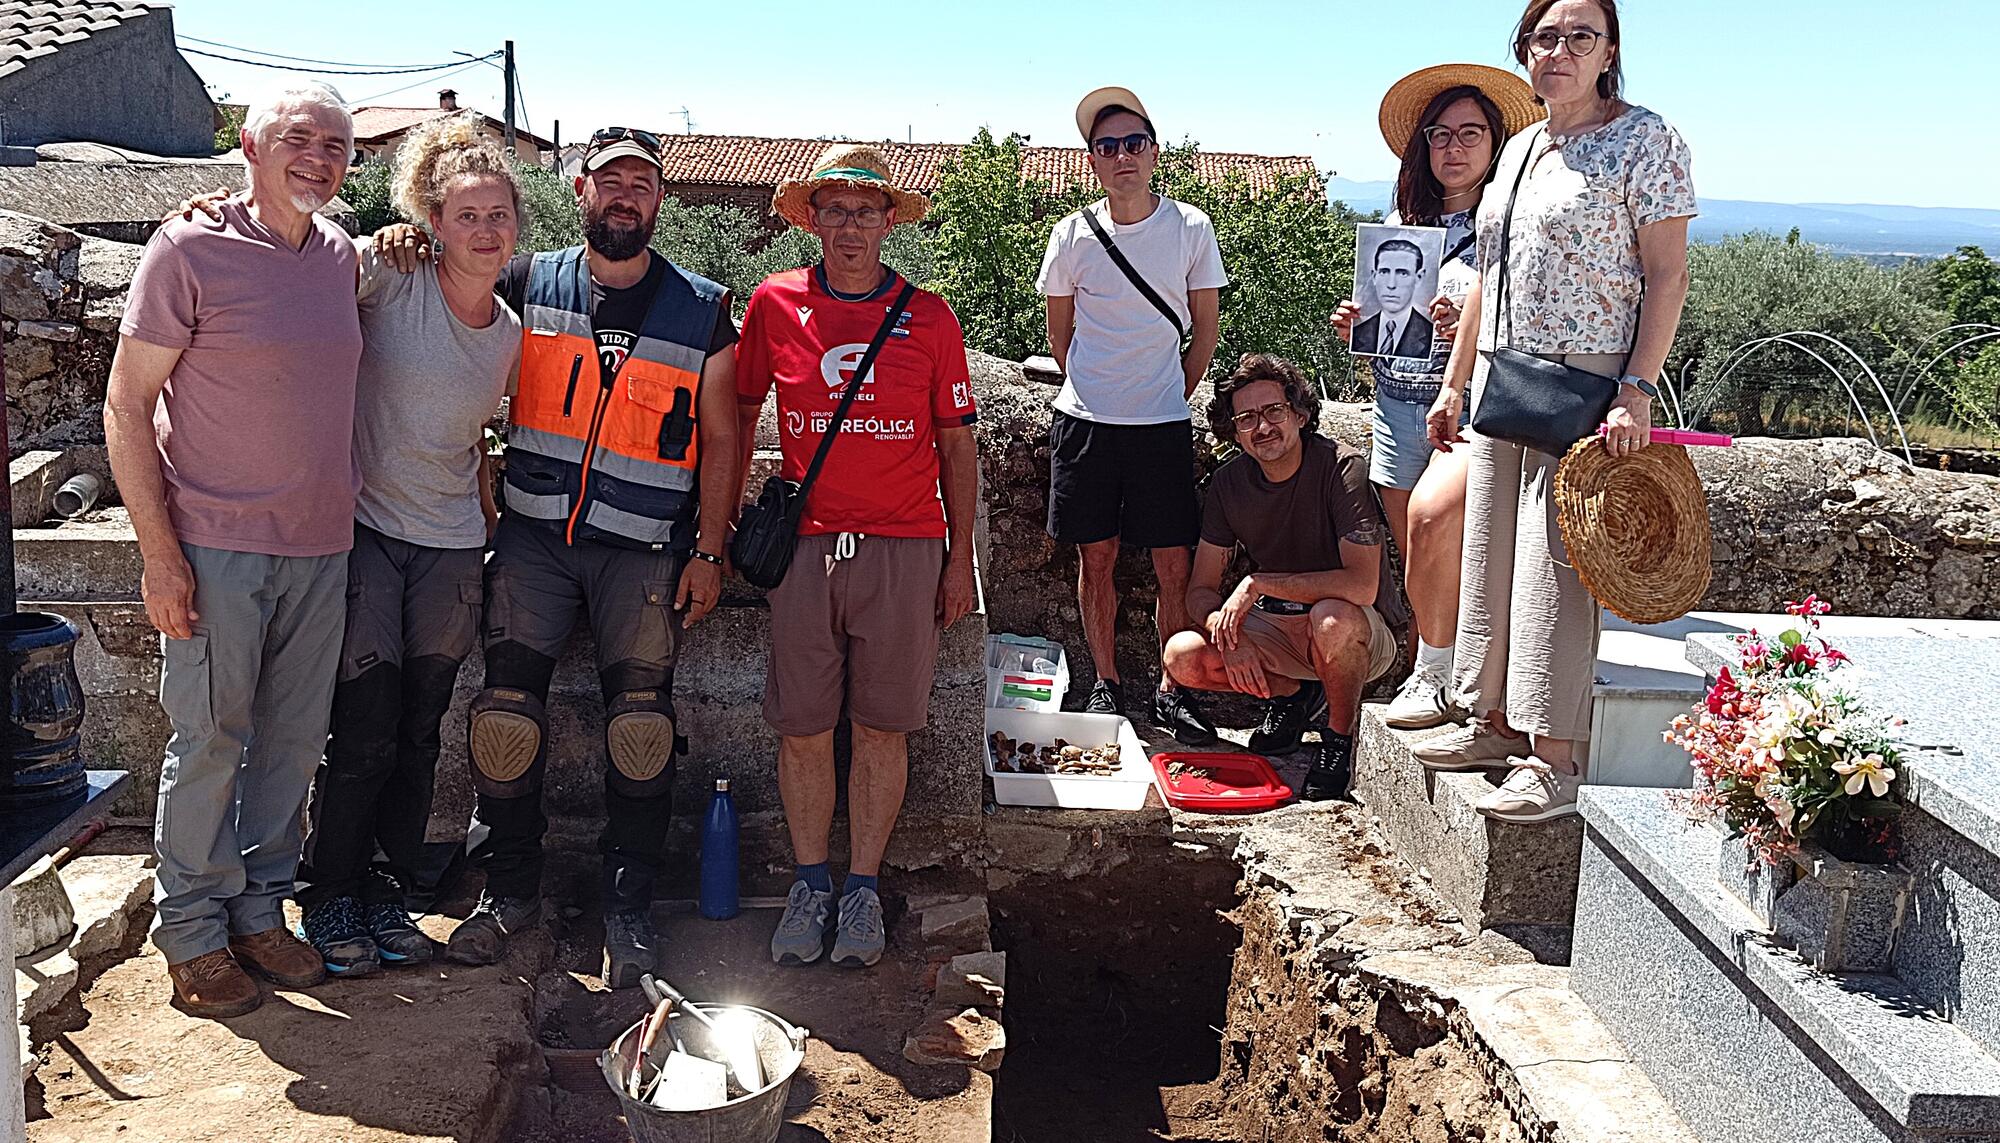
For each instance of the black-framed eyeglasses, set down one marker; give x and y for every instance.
(605, 135)
(1133, 144)
(1469, 136)
(1273, 414)
(1581, 41)
(835, 217)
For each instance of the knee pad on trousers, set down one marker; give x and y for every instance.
(507, 735)
(639, 735)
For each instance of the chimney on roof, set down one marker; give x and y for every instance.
(448, 100)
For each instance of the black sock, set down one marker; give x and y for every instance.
(1335, 749)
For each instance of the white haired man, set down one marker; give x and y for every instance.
(229, 418)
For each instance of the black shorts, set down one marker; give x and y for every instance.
(1129, 482)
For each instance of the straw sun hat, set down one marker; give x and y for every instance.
(1636, 528)
(1405, 103)
(855, 165)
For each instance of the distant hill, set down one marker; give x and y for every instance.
(1875, 231)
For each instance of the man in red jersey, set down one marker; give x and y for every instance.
(884, 556)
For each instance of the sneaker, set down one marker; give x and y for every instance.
(801, 935)
(280, 956)
(1474, 746)
(1423, 702)
(1104, 699)
(858, 938)
(1534, 792)
(1286, 719)
(1331, 774)
(1176, 712)
(213, 985)
(337, 929)
(630, 948)
(398, 940)
(482, 937)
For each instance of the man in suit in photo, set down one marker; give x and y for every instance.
(1398, 329)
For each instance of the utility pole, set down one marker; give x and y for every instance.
(509, 69)
(556, 165)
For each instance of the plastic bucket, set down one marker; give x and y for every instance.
(753, 1118)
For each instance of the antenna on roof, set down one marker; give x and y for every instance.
(687, 120)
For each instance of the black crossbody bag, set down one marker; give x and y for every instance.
(1133, 276)
(769, 529)
(1530, 400)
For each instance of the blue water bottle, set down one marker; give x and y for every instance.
(718, 856)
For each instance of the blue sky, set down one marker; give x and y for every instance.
(1781, 100)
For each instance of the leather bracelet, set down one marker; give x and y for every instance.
(701, 555)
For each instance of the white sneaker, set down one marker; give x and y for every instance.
(1425, 701)
(1534, 792)
(1474, 746)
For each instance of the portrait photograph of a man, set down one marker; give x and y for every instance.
(1395, 278)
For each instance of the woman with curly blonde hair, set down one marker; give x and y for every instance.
(440, 349)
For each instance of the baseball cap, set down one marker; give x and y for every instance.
(1097, 102)
(609, 143)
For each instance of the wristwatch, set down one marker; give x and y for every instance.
(1644, 386)
(701, 555)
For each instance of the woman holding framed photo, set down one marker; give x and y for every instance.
(1447, 124)
(1589, 215)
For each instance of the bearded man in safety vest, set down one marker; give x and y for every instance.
(620, 469)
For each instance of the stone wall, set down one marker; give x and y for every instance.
(61, 295)
(1835, 516)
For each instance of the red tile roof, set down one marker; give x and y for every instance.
(374, 124)
(755, 161)
(31, 29)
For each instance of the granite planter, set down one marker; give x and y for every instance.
(1753, 881)
(1839, 915)
(1842, 916)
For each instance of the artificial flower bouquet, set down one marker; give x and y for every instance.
(1787, 751)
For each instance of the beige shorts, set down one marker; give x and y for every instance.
(856, 636)
(1284, 644)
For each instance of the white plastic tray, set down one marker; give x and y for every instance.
(1123, 790)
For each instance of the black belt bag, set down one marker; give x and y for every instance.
(1530, 400)
(769, 529)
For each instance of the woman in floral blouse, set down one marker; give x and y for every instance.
(1447, 124)
(1601, 220)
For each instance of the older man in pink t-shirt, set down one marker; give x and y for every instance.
(230, 419)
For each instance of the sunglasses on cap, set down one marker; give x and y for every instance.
(1133, 144)
(604, 136)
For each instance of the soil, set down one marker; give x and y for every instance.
(1115, 993)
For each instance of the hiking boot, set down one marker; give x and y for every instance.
(1474, 746)
(278, 954)
(398, 940)
(858, 939)
(213, 986)
(1534, 791)
(801, 935)
(630, 948)
(482, 937)
(1331, 773)
(1104, 699)
(1423, 702)
(337, 931)
(1176, 712)
(1286, 719)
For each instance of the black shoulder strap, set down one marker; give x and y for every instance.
(889, 321)
(1132, 274)
(1506, 227)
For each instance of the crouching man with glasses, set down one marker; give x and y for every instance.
(1314, 606)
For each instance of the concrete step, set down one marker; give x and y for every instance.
(1496, 874)
(106, 891)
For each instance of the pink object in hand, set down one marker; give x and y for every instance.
(1683, 437)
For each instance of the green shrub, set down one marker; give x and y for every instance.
(367, 191)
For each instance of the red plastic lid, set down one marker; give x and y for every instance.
(1224, 783)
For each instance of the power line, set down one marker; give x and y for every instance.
(419, 83)
(294, 59)
(330, 71)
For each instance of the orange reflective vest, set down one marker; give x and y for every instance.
(611, 462)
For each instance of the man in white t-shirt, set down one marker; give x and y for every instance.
(1121, 446)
